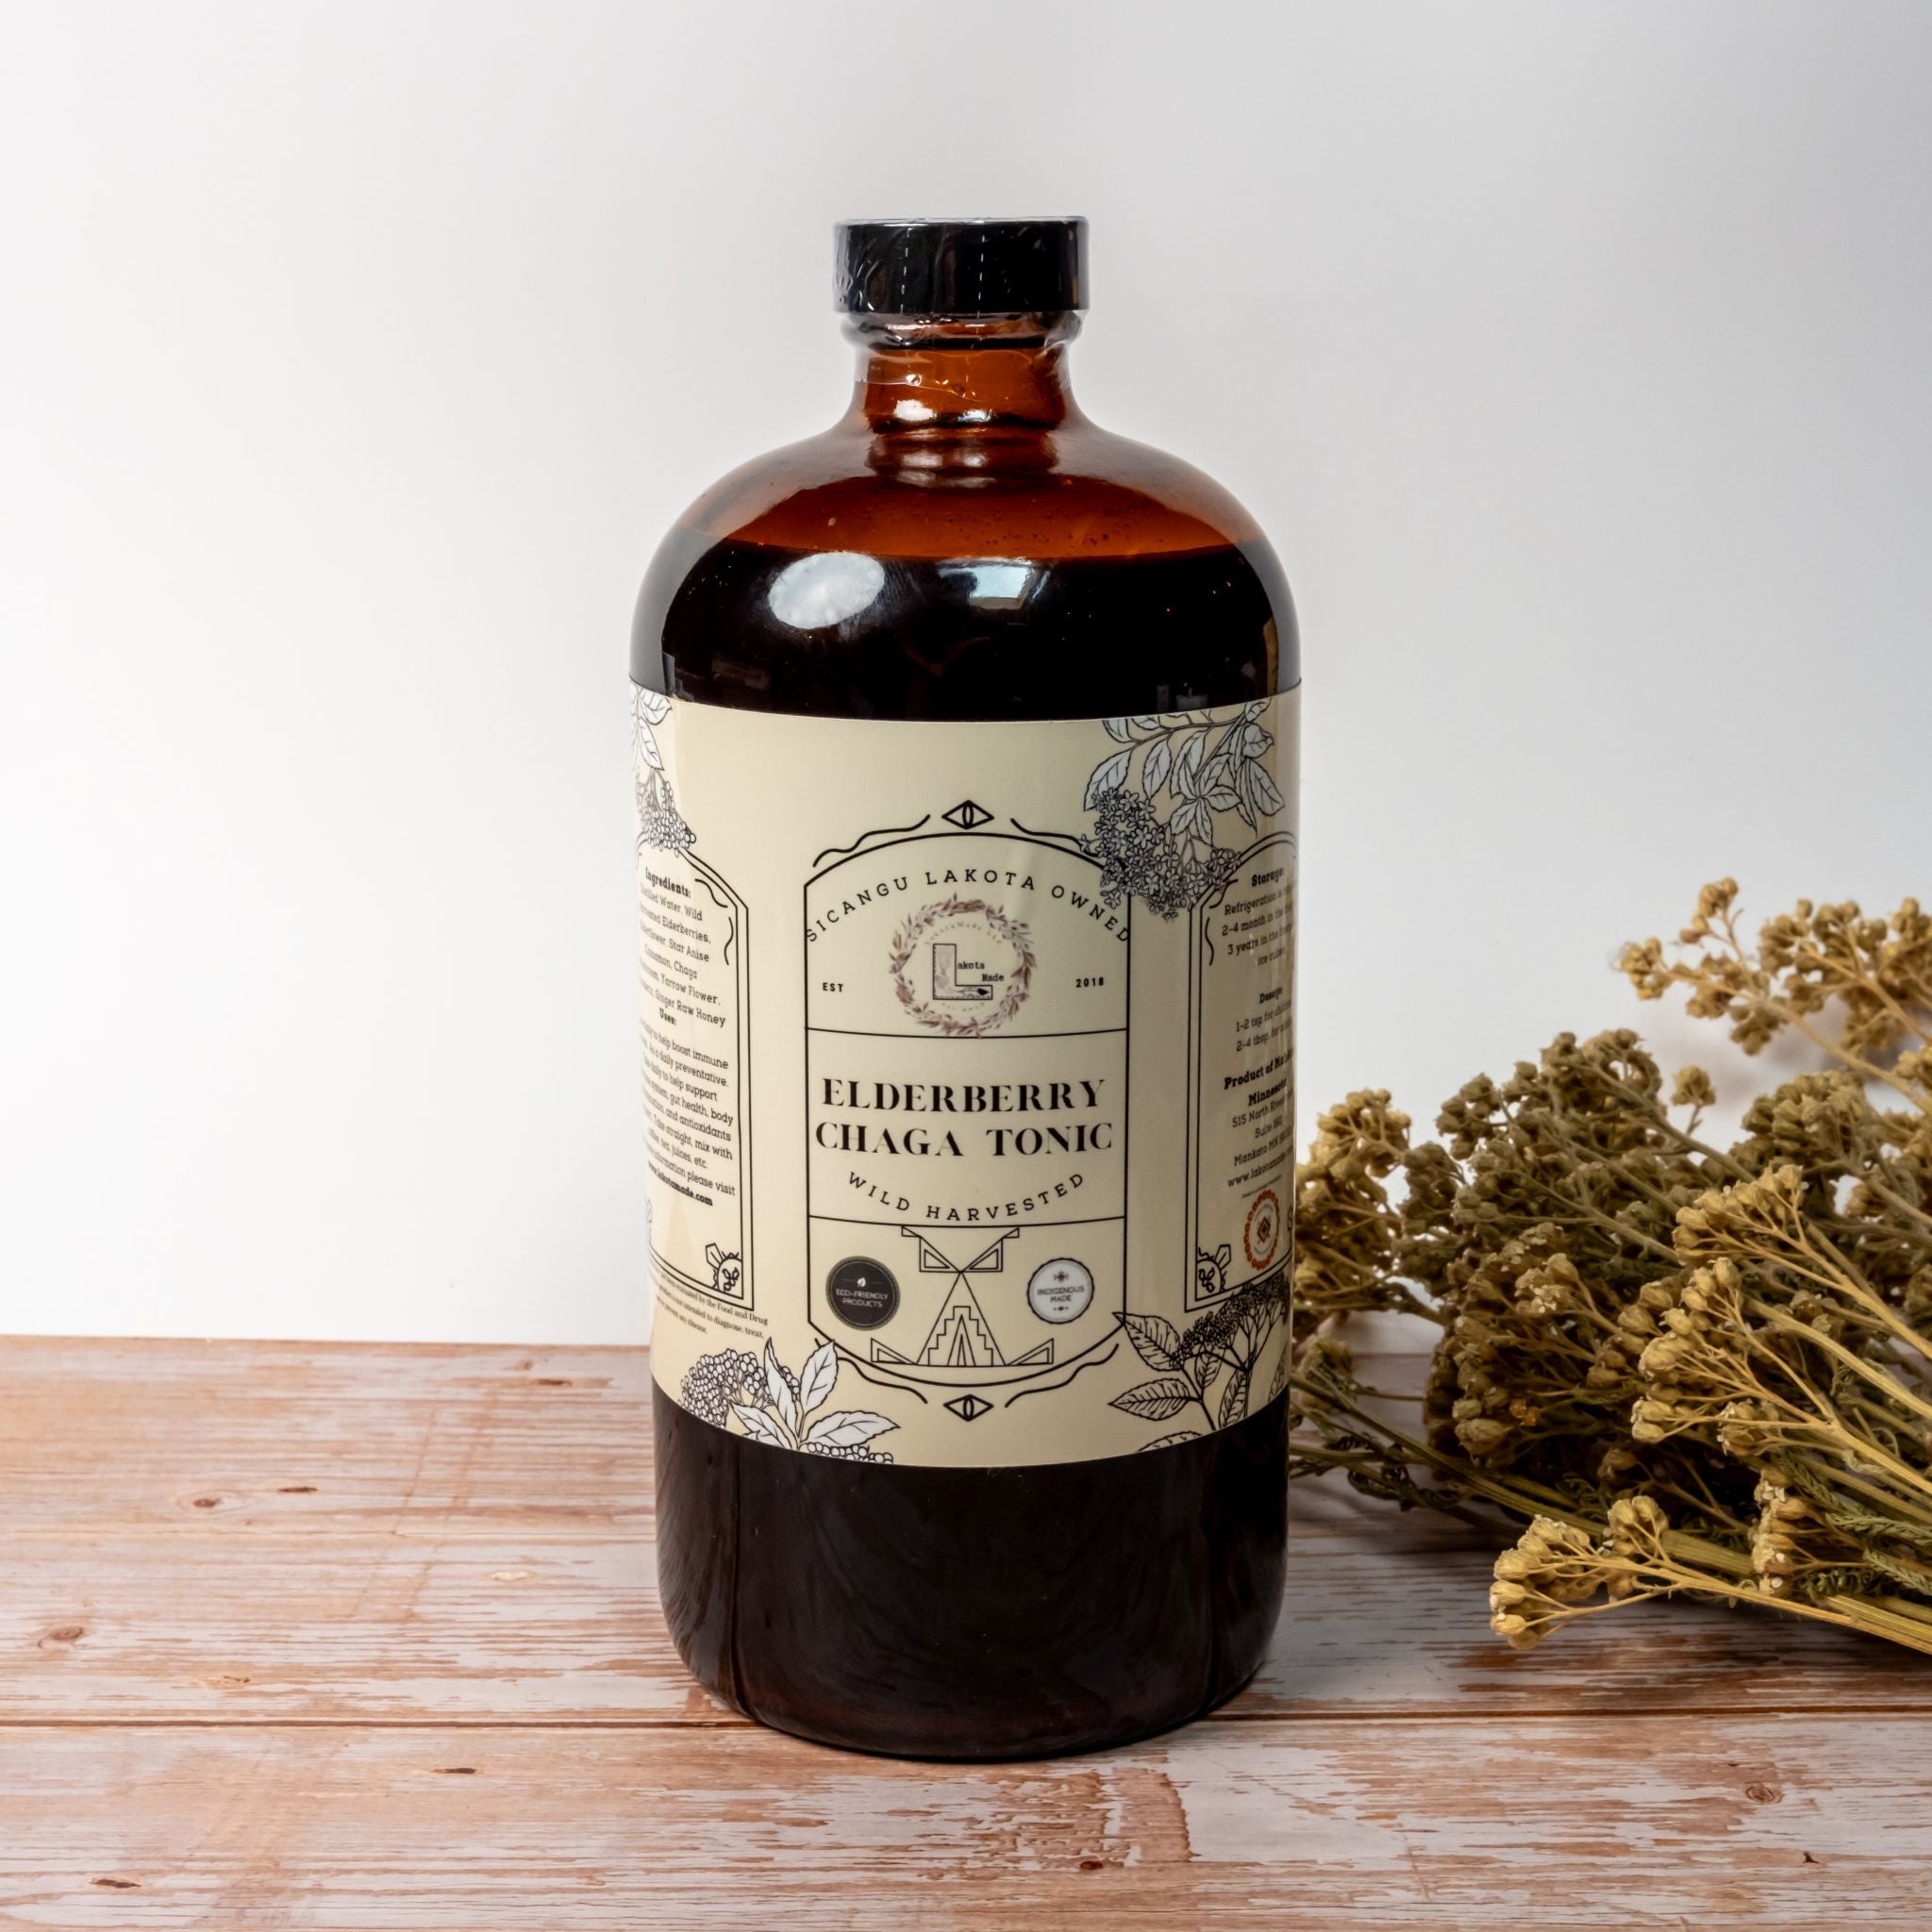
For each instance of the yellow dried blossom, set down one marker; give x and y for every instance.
(1693, 1088)
(1877, 971)
(1552, 1566)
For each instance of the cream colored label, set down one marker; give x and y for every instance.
(968, 1059)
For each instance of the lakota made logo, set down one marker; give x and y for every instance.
(962, 967)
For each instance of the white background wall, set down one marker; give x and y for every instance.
(354, 354)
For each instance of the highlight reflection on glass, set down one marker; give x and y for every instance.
(998, 583)
(818, 592)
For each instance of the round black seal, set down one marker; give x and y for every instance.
(862, 1292)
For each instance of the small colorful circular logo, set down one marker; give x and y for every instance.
(962, 966)
(1262, 1234)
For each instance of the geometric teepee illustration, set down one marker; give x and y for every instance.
(961, 1336)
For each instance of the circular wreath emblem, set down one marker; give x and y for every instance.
(962, 966)
(1263, 1230)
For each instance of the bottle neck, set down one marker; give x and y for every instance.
(962, 373)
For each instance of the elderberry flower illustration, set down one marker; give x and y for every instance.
(714, 1384)
(1210, 1365)
(1209, 766)
(660, 826)
(782, 1410)
(1139, 856)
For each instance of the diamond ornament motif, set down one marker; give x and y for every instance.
(968, 1408)
(968, 816)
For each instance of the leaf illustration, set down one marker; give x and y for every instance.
(713, 1254)
(1279, 1380)
(1267, 795)
(1156, 1340)
(780, 1390)
(1234, 1399)
(648, 746)
(1186, 762)
(760, 1427)
(1170, 1442)
(815, 1382)
(1117, 729)
(1157, 1400)
(846, 1429)
(1244, 792)
(1223, 799)
(654, 706)
(1108, 775)
(1193, 821)
(1148, 723)
(1154, 776)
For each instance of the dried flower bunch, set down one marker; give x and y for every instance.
(1686, 1368)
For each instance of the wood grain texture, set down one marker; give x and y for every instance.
(368, 1637)
(1716, 1822)
(465, 1532)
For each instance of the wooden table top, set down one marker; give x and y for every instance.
(367, 1638)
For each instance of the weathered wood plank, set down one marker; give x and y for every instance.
(411, 1629)
(462, 1535)
(171, 1437)
(1719, 1823)
(236, 1629)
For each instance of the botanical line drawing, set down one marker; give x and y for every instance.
(727, 1270)
(660, 826)
(774, 1407)
(1209, 1365)
(1208, 767)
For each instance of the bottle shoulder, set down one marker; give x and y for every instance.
(1072, 491)
(979, 573)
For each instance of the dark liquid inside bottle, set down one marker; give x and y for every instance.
(949, 1612)
(957, 638)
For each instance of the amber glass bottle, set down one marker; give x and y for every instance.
(940, 1470)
